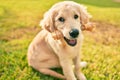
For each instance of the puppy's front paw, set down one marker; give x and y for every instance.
(81, 76)
(83, 64)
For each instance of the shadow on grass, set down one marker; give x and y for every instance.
(100, 3)
(48, 77)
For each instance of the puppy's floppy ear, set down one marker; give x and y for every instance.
(48, 21)
(89, 26)
(84, 19)
(84, 15)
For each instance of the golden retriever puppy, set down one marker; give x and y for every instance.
(58, 43)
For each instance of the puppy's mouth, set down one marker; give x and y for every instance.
(71, 42)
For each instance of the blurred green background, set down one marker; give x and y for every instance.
(19, 23)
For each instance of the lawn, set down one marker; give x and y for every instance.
(19, 23)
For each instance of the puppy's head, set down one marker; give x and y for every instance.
(66, 20)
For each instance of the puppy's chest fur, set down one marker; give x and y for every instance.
(70, 52)
(63, 49)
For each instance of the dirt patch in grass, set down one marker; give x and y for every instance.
(19, 33)
(105, 33)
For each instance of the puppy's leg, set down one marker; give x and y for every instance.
(51, 73)
(78, 73)
(67, 69)
(45, 69)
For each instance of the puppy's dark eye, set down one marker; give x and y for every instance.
(61, 19)
(75, 16)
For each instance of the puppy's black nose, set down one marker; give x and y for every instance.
(74, 33)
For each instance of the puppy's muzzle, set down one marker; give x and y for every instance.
(74, 33)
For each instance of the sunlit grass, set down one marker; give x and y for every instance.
(19, 23)
(108, 15)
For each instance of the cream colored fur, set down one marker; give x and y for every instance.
(49, 49)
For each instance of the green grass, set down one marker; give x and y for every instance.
(19, 23)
